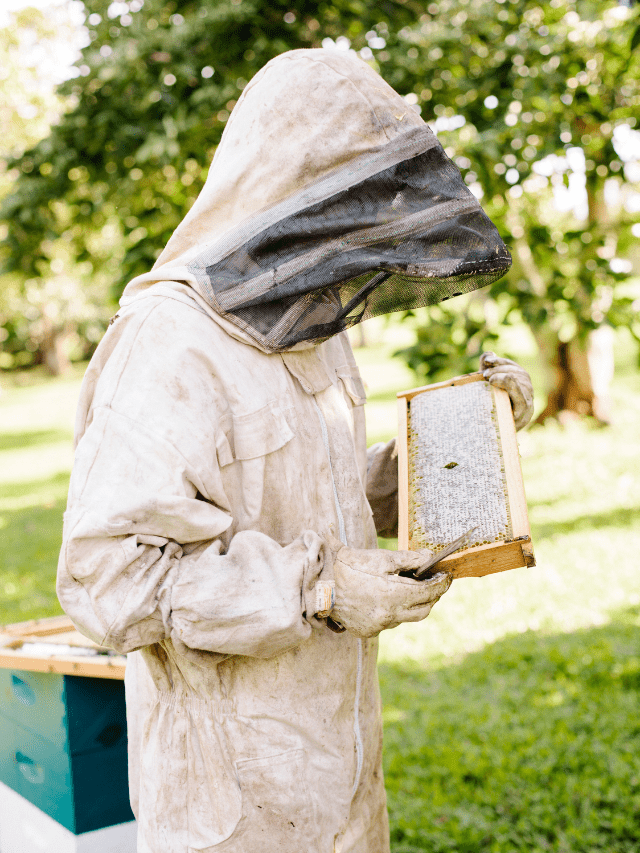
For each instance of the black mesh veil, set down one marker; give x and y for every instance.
(393, 230)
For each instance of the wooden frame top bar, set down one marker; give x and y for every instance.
(56, 630)
(457, 380)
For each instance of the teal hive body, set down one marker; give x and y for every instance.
(63, 746)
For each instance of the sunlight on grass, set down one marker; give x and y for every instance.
(510, 713)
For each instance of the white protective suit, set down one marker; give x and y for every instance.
(207, 471)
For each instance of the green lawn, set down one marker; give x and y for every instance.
(36, 434)
(530, 744)
(511, 714)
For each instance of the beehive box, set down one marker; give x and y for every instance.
(459, 468)
(63, 736)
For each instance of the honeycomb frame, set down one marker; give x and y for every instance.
(480, 486)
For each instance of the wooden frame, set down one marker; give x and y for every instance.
(478, 560)
(56, 630)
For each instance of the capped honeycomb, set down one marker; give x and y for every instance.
(456, 469)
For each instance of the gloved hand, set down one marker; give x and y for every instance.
(513, 379)
(371, 596)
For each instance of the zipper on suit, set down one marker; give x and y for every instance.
(357, 735)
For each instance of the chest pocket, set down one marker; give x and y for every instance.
(255, 434)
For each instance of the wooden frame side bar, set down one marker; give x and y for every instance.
(512, 469)
(403, 474)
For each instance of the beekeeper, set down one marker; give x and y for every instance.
(220, 525)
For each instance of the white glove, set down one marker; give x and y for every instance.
(371, 596)
(513, 379)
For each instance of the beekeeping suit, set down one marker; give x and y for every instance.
(218, 526)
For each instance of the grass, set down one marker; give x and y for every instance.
(583, 491)
(36, 433)
(511, 719)
(530, 744)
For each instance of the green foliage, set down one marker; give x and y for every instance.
(453, 337)
(155, 88)
(532, 81)
(28, 104)
(64, 299)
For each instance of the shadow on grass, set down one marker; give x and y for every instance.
(532, 744)
(616, 517)
(22, 440)
(39, 491)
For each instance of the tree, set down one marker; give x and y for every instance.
(39, 315)
(156, 85)
(157, 82)
(544, 90)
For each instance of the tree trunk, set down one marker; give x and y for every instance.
(579, 373)
(580, 376)
(360, 339)
(53, 347)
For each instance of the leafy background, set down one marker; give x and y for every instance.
(526, 97)
(511, 713)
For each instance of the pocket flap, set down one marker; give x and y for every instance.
(261, 432)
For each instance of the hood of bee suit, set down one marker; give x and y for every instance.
(329, 201)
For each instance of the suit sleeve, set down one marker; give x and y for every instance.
(147, 549)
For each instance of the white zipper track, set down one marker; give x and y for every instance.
(357, 734)
(356, 723)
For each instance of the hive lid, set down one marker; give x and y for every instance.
(54, 645)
